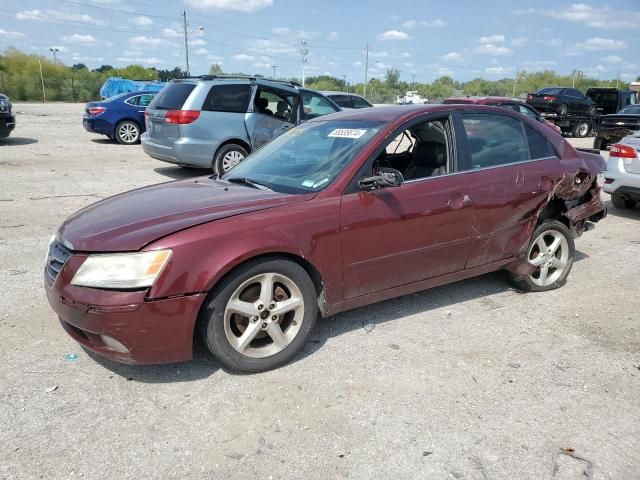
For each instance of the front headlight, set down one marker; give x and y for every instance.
(121, 270)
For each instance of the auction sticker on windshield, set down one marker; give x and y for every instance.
(347, 133)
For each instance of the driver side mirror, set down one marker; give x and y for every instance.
(386, 177)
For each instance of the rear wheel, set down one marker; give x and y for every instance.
(127, 132)
(581, 129)
(551, 251)
(563, 109)
(620, 202)
(227, 157)
(261, 317)
(599, 143)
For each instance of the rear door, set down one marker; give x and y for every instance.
(138, 105)
(510, 169)
(171, 97)
(272, 112)
(343, 101)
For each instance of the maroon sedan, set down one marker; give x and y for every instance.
(339, 212)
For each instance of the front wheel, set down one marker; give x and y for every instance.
(228, 157)
(551, 252)
(261, 317)
(581, 130)
(127, 133)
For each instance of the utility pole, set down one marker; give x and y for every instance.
(413, 79)
(304, 51)
(54, 50)
(618, 80)
(366, 71)
(186, 42)
(575, 74)
(515, 82)
(44, 97)
(344, 81)
(274, 71)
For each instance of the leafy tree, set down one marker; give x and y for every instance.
(392, 77)
(79, 66)
(104, 69)
(215, 69)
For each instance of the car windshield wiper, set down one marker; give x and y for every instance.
(249, 182)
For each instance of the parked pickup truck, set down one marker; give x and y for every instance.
(611, 100)
(7, 120)
(611, 129)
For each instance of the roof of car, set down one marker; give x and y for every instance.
(480, 100)
(388, 113)
(238, 78)
(336, 92)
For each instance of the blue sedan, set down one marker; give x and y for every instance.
(120, 117)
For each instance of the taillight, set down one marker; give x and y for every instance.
(96, 110)
(181, 117)
(529, 97)
(622, 151)
(549, 98)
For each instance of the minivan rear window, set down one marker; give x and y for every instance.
(172, 97)
(228, 98)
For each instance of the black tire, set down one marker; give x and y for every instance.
(527, 284)
(222, 161)
(212, 316)
(599, 143)
(127, 132)
(563, 109)
(622, 203)
(581, 130)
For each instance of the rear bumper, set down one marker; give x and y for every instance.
(617, 178)
(125, 326)
(183, 151)
(96, 125)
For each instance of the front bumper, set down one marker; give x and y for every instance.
(145, 331)
(7, 124)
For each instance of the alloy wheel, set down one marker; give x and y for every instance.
(128, 132)
(264, 315)
(550, 254)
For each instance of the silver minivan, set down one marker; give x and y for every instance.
(216, 121)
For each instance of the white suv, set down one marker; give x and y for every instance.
(622, 178)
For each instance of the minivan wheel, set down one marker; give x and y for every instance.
(621, 202)
(261, 316)
(227, 157)
(552, 252)
(127, 132)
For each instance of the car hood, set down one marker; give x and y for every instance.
(131, 220)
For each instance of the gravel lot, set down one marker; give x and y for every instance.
(471, 380)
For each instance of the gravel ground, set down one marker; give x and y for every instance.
(471, 380)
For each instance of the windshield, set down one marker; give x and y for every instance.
(550, 91)
(634, 109)
(307, 158)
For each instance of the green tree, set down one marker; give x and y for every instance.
(392, 77)
(215, 69)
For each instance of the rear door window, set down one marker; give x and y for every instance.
(173, 96)
(494, 140)
(358, 102)
(526, 111)
(228, 98)
(341, 100)
(539, 146)
(145, 100)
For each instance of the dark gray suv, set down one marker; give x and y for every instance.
(216, 121)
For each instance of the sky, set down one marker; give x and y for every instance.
(425, 39)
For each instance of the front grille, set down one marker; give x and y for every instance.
(57, 256)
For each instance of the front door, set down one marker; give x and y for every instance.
(272, 113)
(419, 230)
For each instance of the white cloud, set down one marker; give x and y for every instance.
(393, 35)
(444, 71)
(280, 30)
(170, 32)
(149, 42)
(133, 53)
(437, 23)
(357, 64)
(491, 49)
(407, 64)
(599, 43)
(202, 51)
(141, 20)
(140, 60)
(77, 38)
(333, 36)
(498, 70)
(7, 34)
(492, 39)
(594, 17)
(452, 57)
(612, 59)
(245, 6)
(381, 54)
(273, 47)
(198, 42)
(552, 42)
(243, 57)
(519, 41)
(36, 14)
(382, 65)
(405, 55)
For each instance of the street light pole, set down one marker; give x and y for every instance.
(54, 50)
(186, 39)
(274, 71)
